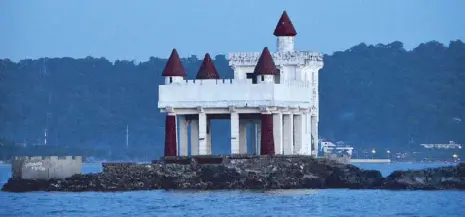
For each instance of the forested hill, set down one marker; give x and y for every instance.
(375, 96)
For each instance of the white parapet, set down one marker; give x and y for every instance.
(238, 93)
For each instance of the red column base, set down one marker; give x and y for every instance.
(267, 138)
(170, 136)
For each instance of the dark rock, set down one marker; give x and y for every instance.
(450, 177)
(243, 172)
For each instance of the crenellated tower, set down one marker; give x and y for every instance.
(275, 92)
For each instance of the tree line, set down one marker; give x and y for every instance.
(370, 96)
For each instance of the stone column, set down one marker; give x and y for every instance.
(170, 135)
(208, 137)
(308, 133)
(267, 138)
(242, 136)
(297, 133)
(258, 133)
(234, 133)
(288, 134)
(194, 137)
(203, 134)
(315, 134)
(183, 149)
(300, 142)
(278, 132)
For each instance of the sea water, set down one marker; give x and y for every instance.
(328, 202)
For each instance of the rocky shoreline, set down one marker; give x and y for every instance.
(244, 172)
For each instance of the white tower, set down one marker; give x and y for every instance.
(285, 33)
(174, 72)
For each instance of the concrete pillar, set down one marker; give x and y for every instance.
(288, 134)
(194, 137)
(308, 133)
(208, 138)
(298, 141)
(170, 135)
(234, 133)
(242, 136)
(183, 149)
(314, 135)
(258, 133)
(278, 132)
(177, 133)
(203, 134)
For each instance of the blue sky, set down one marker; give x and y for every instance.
(138, 29)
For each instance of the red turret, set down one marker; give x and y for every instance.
(265, 65)
(285, 27)
(207, 70)
(174, 66)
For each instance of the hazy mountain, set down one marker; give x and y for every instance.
(372, 96)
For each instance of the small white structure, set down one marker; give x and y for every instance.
(277, 92)
(330, 148)
(46, 167)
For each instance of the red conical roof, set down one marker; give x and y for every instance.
(285, 27)
(265, 65)
(174, 66)
(207, 70)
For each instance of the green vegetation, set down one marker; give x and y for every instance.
(374, 96)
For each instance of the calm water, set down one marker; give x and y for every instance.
(377, 203)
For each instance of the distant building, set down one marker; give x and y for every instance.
(441, 152)
(330, 148)
(276, 92)
(450, 145)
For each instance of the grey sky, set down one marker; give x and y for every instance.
(136, 30)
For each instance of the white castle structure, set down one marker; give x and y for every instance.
(276, 92)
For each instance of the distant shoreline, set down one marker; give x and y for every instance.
(364, 161)
(370, 161)
(86, 163)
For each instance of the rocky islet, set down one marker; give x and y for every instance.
(244, 172)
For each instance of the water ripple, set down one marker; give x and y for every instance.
(330, 202)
